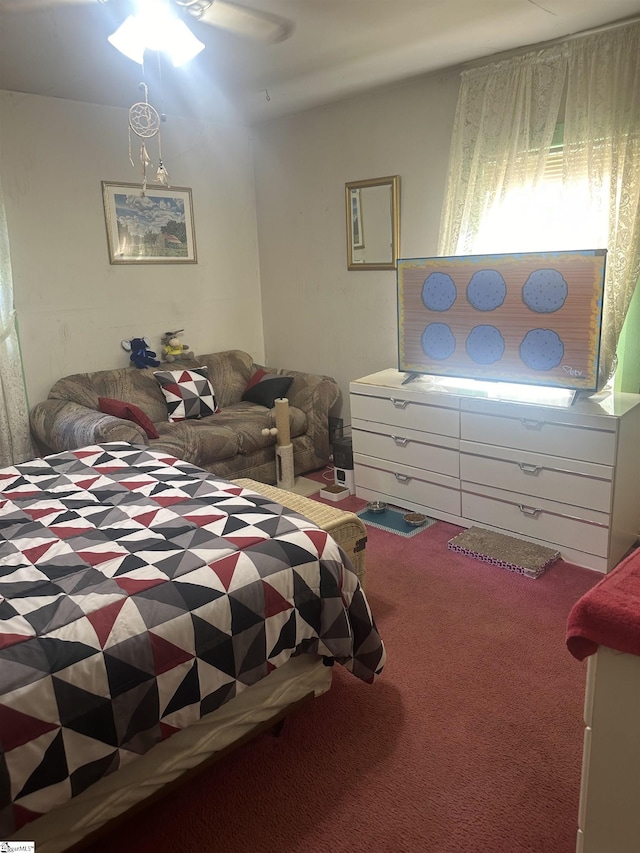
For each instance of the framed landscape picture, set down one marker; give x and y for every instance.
(154, 227)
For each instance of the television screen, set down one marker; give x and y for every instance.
(532, 318)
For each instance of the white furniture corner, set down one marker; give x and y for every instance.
(562, 476)
(609, 815)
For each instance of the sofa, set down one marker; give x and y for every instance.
(229, 443)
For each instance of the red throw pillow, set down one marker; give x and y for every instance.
(257, 376)
(128, 412)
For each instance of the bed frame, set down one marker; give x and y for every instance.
(115, 798)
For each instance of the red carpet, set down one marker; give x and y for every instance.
(470, 742)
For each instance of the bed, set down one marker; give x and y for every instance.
(152, 614)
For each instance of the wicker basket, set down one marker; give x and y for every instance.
(345, 527)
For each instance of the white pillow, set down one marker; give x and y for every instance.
(189, 393)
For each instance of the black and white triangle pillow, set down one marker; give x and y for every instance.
(189, 393)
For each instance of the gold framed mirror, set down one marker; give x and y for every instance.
(373, 223)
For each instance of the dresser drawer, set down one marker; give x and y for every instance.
(403, 412)
(409, 447)
(555, 438)
(402, 483)
(567, 481)
(548, 521)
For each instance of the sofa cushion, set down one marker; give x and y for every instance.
(123, 383)
(229, 372)
(249, 419)
(128, 412)
(188, 393)
(200, 442)
(233, 431)
(266, 389)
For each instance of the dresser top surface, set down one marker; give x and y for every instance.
(605, 403)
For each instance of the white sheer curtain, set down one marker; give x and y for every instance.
(504, 125)
(602, 142)
(15, 440)
(498, 194)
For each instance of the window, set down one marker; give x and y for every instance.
(552, 216)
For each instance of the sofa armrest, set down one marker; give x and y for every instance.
(58, 425)
(314, 394)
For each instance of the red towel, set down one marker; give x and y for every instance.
(609, 614)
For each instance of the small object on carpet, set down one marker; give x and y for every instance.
(415, 519)
(507, 552)
(393, 520)
(377, 506)
(334, 492)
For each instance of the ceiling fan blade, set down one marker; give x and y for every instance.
(246, 22)
(237, 19)
(34, 5)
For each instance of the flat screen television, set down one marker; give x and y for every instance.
(529, 318)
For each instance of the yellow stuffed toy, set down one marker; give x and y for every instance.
(173, 349)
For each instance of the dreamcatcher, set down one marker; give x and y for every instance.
(144, 121)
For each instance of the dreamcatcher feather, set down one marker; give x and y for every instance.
(144, 121)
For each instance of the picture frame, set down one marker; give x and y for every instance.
(154, 226)
(357, 230)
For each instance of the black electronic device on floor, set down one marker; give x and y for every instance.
(343, 474)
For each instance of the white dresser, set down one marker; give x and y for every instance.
(563, 476)
(604, 627)
(609, 816)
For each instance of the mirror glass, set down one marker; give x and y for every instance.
(373, 223)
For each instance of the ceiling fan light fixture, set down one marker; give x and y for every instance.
(154, 27)
(129, 39)
(182, 45)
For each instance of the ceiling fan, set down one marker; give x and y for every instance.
(240, 20)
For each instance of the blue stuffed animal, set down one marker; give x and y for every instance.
(141, 355)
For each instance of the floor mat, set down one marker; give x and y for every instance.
(393, 521)
(507, 552)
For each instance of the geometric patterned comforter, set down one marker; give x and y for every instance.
(137, 593)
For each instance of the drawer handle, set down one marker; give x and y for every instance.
(401, 442)
(529, 510)
(402, 478)
(530, 424)
(529, 468)
(399, 404)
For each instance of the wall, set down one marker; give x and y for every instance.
(628, 369)
(319, 316)
(73, 306)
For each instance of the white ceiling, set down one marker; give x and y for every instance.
(338, 48)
